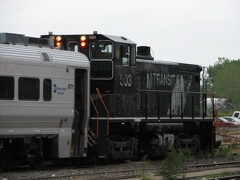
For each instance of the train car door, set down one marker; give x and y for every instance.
(79, 113)
(79, 98)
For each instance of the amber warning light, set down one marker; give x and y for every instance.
(83, 38)
(83, 42)
(58, 41)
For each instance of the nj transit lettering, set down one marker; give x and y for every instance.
(160, 79)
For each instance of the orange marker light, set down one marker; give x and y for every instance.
(83, 38)
(58, 44)
(83, 44)
(58, 38)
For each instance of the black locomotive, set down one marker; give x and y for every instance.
(140, 105)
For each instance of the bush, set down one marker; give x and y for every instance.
(145, 176)
(172, 166)
(223, 151)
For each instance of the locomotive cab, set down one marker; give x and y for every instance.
(112, 69)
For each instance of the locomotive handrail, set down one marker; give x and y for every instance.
(97, 124)
(152, 90)
(181, 106)
(99, 94)
(215, 112)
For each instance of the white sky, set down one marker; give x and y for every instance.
(188, 31)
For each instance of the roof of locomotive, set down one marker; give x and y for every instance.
(165, 62)
(157, 62)
(119, 39)
(40, 54)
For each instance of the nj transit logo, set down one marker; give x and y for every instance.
(59, 90)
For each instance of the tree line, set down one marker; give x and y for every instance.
(223, 79)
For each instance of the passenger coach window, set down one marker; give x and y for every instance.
(6, 88)
(28, 89)
(125, 55)
(47, 89)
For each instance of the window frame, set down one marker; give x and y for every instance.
(25, 88)
(126, 54)
(76, 44)
(48, 96)
(6, 90)
(101, 42)
(98, 77)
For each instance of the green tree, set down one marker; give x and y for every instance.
(224, 80)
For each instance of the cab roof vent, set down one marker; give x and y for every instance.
(123, 38)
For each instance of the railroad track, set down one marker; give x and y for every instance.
(232, 163)
(106, 175)
(233, 177)
(221, 170)
(122, 171)
(90, 172)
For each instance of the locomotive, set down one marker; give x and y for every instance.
(96, 96)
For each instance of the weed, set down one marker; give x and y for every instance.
(223, 151)
(144, 175)
(172, 165)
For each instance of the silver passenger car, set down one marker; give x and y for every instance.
(44, 103)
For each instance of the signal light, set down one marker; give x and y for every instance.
(58, 38)
(83, 38)
(83, 42)
(58, 44)
(58, 41)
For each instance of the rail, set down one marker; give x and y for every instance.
(99, 95)
(177, 101)
(97, 114)
(215, 112)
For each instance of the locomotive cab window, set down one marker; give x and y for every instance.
(196, 79)
(101, 69)
(101, 50)
(6, 88)
(73, 46)
(28, 89)
(47, 89)
(125, 55)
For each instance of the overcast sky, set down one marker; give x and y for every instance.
(188, 31)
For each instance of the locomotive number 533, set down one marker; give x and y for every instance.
(126, 80)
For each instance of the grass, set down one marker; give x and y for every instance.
(172, 166)
(216, 176)
(144, 175)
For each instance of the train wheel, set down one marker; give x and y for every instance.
(3, 160)
(36, 162)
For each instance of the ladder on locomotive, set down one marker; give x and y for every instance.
(91, 135)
